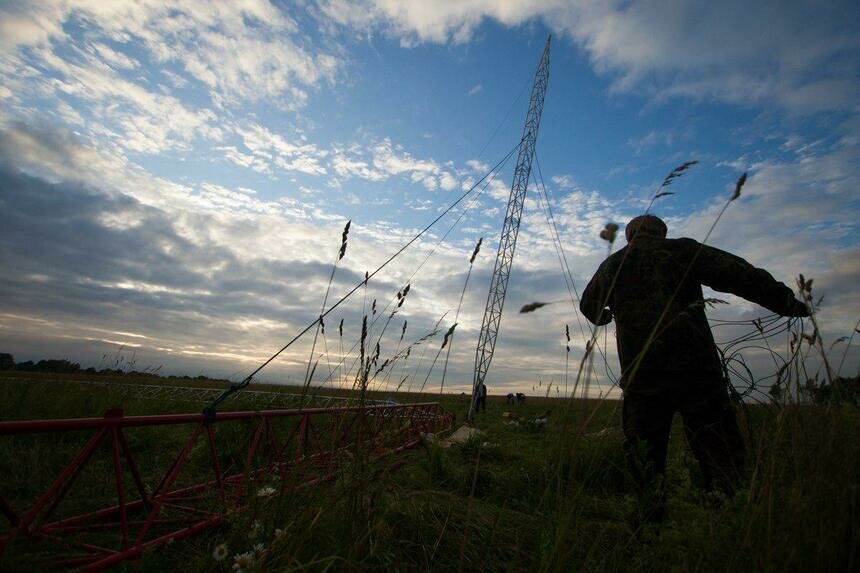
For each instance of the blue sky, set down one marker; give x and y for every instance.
(175, 178)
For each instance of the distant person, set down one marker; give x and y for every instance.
(669, 361)
(520, 397)
(481, 397)
(510, 398)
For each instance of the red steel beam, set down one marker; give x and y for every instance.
(38, 426)
(385, 429)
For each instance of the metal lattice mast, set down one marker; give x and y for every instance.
(510, 227)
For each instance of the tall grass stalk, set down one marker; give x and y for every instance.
(475, 252)
(855, 331)
(341, 253)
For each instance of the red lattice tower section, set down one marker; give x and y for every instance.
(143, 481)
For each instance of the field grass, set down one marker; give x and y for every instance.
(523, 496)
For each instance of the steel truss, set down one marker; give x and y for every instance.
(133, 506)
(510, 227)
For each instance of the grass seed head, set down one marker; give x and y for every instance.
(448, 335)
(532, 306)
(675, 173)
(402, 296)
(343, 240)
(738, 186)
(476, 251)
(609, 232)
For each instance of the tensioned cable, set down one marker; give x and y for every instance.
(574, 297)
(480, 154)
(473, 202)
(236, 387)
(567, 272)
(568, 278)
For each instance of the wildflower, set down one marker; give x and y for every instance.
(267, 491)
(255, 529)
(220, 552)
(259, 548)
(244, 561)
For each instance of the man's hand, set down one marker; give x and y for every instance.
(605, 317)
(798, 308)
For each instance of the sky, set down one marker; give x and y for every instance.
(175, 176)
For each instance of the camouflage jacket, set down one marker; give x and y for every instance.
(648, 273)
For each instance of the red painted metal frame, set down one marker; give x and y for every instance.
(306, 454)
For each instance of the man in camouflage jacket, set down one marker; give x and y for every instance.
(669, 361)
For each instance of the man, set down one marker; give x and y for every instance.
(669, 361)
(481, 397)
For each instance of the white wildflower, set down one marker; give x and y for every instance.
(244, 561)
(267, 491)
(220, 552)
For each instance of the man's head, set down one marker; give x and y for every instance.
(645, 225)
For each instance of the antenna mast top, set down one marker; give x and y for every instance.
(510, 227)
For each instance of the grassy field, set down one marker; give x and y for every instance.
(522, 496)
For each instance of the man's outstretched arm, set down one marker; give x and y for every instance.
(594, 297)
(726, 272)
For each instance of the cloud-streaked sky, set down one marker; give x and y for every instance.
(175, 176)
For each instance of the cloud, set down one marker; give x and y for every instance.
(658, 138)
(244, 159)
(115, 58)
(447, 182)
(215, 276)
(807, 60)
(346, 166)
(128, 114)
(476, 90)
(477, 166)
(498, 189)
(86, 256)
(385, 159)
(211, 275)
(564, 181)
(270, 148)
(204, 271)
(416, 22)
(240, 52)
(393, 160)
